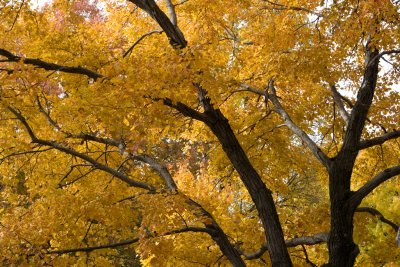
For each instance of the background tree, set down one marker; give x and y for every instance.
(199, 133)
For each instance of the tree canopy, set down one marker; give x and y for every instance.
(199, 133)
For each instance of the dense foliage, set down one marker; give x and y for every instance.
(199, 133)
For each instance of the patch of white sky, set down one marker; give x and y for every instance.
(39, 3)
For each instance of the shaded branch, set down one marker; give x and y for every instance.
(379, 140)
(380, 216)
(351, 105)
(184, 109)
(50, 66)
(47, 114)
(367, 188)
(125, 242)
(95, 164)
(297, 241)
(159, 168)
(360, 110)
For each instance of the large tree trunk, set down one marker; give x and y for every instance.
(342, 249)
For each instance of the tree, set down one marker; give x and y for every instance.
(199, 132)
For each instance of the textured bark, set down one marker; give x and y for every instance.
(342, 249)
(259, 193)
(174, 34)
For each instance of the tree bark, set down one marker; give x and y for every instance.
(342, 249)
(259, 193)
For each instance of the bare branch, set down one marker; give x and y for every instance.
(306, 257)
(339, 104)
(140, 39)
(297, 241)
(367, 188)
(295, 129)
(50, 66)
(379, 140)
(181, 3)
(103, 140)
(380, 216)
(351, 105)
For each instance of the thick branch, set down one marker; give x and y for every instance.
(184, 109)
(379, 140)
(295, 129)
(367, 188)
(297, 241)
(257, 189)
(174, 34)
(364, 100)
(50, 66)
(338, 101)
(380, 216)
